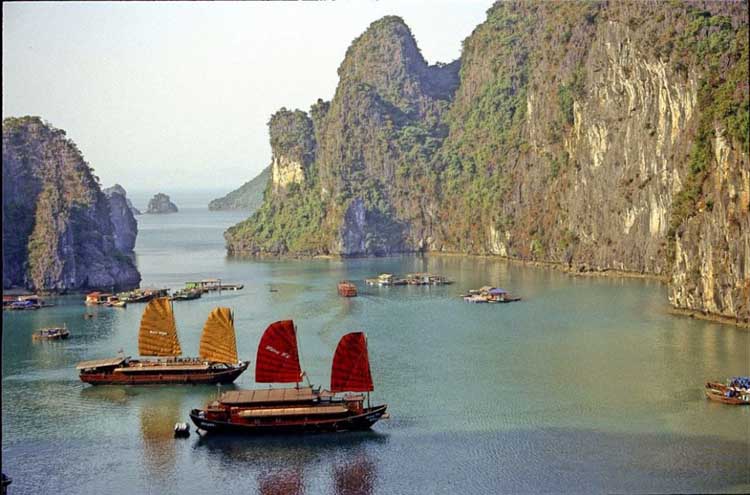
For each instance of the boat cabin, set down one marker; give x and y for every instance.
(98, 297)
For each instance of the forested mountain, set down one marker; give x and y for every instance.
(249, 196)
(599, 136)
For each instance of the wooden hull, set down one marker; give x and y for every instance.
(354, 422)
(161, 377)
(60, 336)
(716, 392)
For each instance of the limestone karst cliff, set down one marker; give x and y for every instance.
(117, 188)
(121, 212)
(58, 232)
(599, 136)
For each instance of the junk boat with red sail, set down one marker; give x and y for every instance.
(301, 408)
(217, 361)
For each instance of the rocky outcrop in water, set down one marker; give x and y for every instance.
(57, 225)
(124, 224)
(248, 197)
(117, 188)
(598, 136)
(160, 203)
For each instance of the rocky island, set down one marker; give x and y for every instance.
(160, 203)
(593, 136)
(60, 231)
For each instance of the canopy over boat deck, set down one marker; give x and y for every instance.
(101, 363)
(270, 395)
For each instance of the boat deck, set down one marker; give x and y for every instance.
(269, 395)
(293, 411)
(97, 363)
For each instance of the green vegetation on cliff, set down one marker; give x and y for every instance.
(57, 230)
(582, 133)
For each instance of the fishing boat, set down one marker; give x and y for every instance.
(385, 280)
(489, 294)
(186, 294)
(115, 302)
(301, 408)
(97, 298)
(426, 279)
(347, 289)
(54, 333)
(735, 392)
(212, 284)
(217, 361)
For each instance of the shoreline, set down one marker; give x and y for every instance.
(582, 270)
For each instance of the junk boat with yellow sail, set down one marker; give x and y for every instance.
(217, 361)
(301, 408)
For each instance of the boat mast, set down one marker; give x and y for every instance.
(299, 353)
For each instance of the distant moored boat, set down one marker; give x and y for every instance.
(347, 289)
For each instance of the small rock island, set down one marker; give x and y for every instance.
(160, 203)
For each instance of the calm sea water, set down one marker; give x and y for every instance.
(586, 386)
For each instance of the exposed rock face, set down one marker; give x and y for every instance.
(125, 227)
(57, 228)
(160, 203)
(247, 197)
(712, 252)
(601, 136)
(117, 188)
(293, 146)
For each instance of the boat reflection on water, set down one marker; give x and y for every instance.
(112, 394)
(296, 464)
(286, 481)
(355, 477)
(157, 431)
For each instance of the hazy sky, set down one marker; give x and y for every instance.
(175, 96)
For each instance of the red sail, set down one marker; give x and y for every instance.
(277, 360)
(351, 365)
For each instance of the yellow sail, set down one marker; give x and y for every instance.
(218, 342)
(158, 334)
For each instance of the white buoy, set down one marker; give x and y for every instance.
(181, 430)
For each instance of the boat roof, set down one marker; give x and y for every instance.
(293, 411)
(96, 363)
(268, 395)
(150, 368)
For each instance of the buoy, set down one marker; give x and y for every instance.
(181, 430)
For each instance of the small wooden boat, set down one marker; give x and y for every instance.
(54, 333)
(475, 298)
(186, 294)
(217, 361)
(426, 279)
(98, 298)
(489, 294)
(736, 392)
(386, 280)
(212, 284)
(347, 289)
(303, 408)
(115, 302)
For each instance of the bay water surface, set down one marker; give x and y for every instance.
(588, 385)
